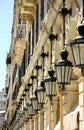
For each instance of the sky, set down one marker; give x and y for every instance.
(6, 21)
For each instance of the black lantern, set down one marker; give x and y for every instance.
(77, 47)
(27, 116)
(21, 113)
(64, 69)
(30, 109)
(34, 101)
(41, 93)
(50, 84)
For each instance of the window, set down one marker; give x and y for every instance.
(32, 37)
(2, 114)
(48, 1)
(42, 10)
(37, 21)
(26, 55)
(19, 21)
(23, 66)
(29, 54)
(21, 29)
(19, 78)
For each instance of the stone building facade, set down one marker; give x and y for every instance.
(2, 109)
(32, 22)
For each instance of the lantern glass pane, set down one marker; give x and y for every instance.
(53, 88)
(50, 88)
(43, 97)
(82, 53)
(69, 74)
(63, 73)
(66, 74)
(59, 74)
(35, 104)
(26, 114)
(39, 98)
(75, 50)
(47, 87)
(30, 110)
(39, 106)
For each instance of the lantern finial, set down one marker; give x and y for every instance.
(64, 54)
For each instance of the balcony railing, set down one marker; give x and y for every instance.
(21, 31)
(20, 43)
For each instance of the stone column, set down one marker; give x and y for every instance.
(35, 118)
(27, 125)
(41, 120)
(31, 124)
(49, 114)
(55, 111)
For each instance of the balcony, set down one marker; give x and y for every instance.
(28, 9)
(29, 3)
(20, 43)
(27, 15)
(19, 51)
(21, 31)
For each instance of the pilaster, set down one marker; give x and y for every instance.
(41, 120)
(81, 103)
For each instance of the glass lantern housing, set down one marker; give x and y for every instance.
(50, 84)
(64, 69)
(77, 47)
(41, 93)
(27, 116)
(30, 109)
(34, 101)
